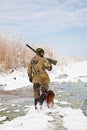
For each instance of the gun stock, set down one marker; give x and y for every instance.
(52, 61)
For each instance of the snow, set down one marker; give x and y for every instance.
(73, 72)
(34, 120)
(3, 118)
(14, 80)
(73, 119)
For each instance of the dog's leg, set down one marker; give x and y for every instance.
(48, 105)
(52, 103)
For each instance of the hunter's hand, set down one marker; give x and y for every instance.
(30, 79)
(50, 68)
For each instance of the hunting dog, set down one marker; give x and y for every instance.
(50, 98)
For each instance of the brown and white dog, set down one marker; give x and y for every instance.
(50, 98)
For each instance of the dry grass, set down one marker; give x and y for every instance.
(14, 54)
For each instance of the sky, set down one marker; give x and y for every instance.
(59, 23)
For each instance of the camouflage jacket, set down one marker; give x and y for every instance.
(37, 69)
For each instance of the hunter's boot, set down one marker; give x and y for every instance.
(42, 98)
(35, 102)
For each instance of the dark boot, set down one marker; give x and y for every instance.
(35, 102)
(42, 98)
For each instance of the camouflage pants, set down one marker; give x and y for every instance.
(38, 88)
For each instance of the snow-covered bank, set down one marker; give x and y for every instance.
(74, 72)
(74, 119)
(13, 80)
(34, 120)
(71, 119)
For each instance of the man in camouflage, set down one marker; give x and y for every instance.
(38, 76)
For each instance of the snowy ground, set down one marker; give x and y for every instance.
(71, 73)
(72, 119)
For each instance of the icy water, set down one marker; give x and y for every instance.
(74, 93)
(16, 102)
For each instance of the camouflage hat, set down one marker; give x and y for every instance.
(39, 51)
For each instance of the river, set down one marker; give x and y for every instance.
(74, 93)
(16, 103)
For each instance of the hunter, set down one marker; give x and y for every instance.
(38, 76)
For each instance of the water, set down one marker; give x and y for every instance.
(74, 93)
(16, 103)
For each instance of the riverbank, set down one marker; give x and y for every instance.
(18, 104)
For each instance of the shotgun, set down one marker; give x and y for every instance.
(52, 61)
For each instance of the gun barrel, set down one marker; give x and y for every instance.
(31, 48)
(52, 61)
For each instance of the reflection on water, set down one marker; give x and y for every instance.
(74, 93)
